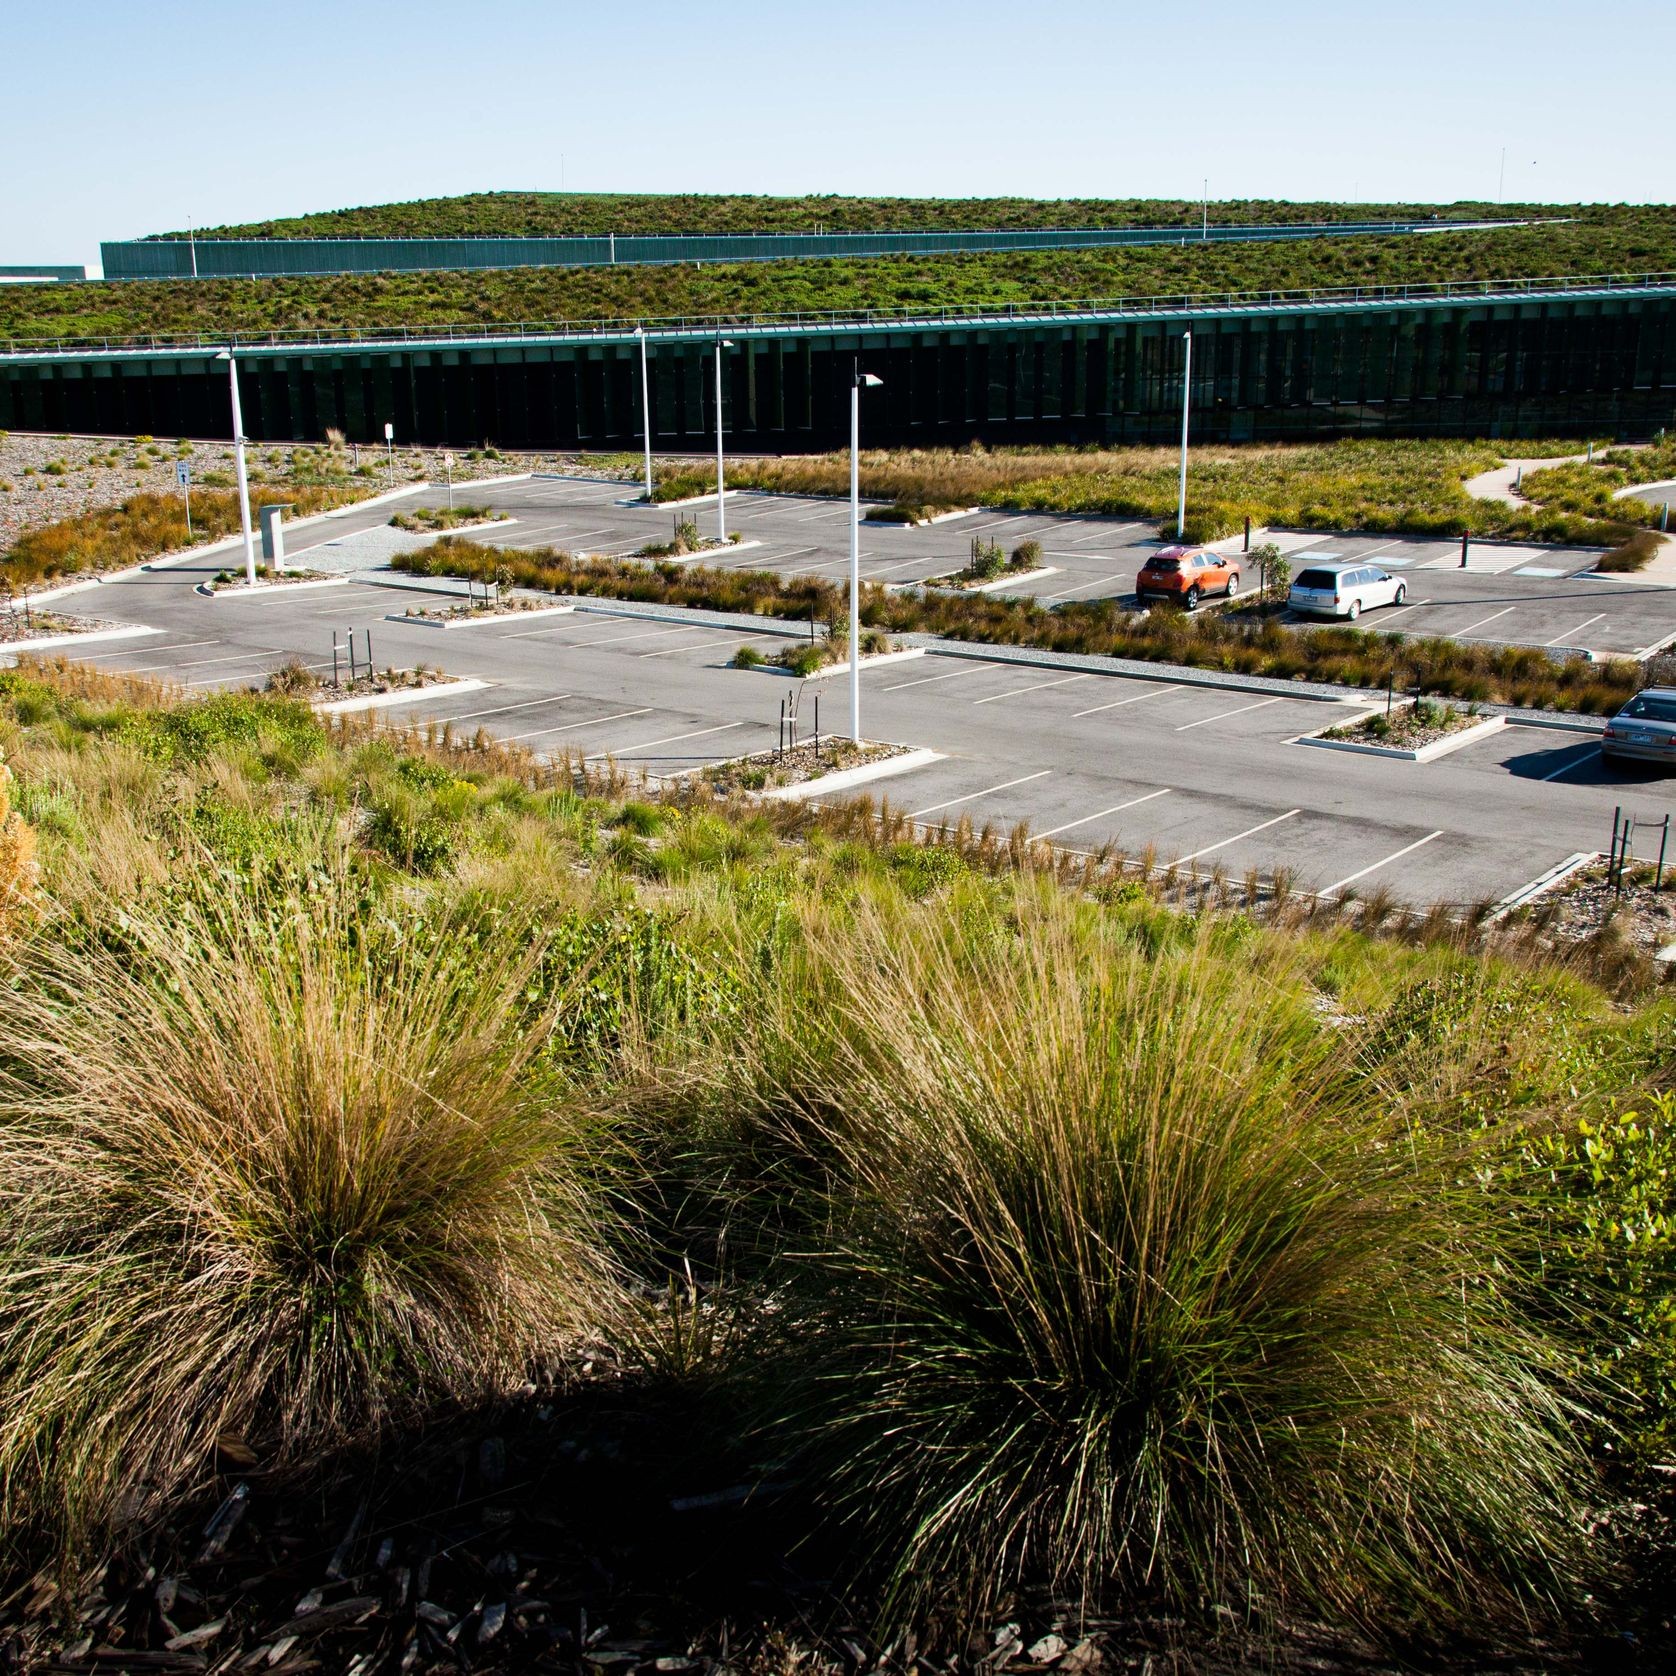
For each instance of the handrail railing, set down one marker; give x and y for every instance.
(828, 319)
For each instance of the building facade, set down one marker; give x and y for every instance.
(1577, 358)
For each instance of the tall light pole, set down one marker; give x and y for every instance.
(238, 466)
(721, 493)
(861, 378)
(1186, 398)
(645, 406)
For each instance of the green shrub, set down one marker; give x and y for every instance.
(1611, 1218)
(1136, 1293)
(1027, 555)
(986, 562)
(747, 657)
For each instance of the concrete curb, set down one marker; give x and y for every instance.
(1555, 875)
(1423, 753)
(917, 523)
(1180, 675)
(849, 778)
(998, 586)
(244, 591)
(407, 695)
(478, 622)
(874, 662)
(461, 529)
(679, 558)
(53, 642)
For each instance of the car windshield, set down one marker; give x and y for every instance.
(1324, 579)
(1646, 707)
(1163, 564)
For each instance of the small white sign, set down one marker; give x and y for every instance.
(389, 431)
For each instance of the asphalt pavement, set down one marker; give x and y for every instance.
(1506, 592)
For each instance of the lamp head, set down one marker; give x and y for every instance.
(867, 379)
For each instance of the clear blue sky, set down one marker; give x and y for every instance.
(127, 118)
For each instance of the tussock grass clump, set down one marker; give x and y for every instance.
(274, 1172)
(1121, 1291)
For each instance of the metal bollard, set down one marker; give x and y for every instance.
(1463, 549)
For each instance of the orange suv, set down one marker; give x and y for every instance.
(1185, 575)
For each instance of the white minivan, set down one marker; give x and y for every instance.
(1344, 588)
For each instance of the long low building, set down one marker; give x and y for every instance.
(1518, 358)
(276, 258)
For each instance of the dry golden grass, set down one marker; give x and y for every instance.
(274, 1173)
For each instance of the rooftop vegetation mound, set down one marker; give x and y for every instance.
(1624, 240)
(562, 214)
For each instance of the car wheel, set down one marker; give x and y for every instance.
(1193, 597)
(1400, 595)
(1355, 610)
(1233, 586)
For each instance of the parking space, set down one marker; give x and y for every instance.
(1527, 596)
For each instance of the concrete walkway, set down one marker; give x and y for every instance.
(1498, 484)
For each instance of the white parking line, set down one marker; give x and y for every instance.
(262, 669)
(1118, 703)
(1034, 687)
(1413, 605)
(1460, 634)
(1566, 640)
(886, 569)
(152, 649)
(1373, 867)
(607, 640)
(1250, 832)
(570, 727)
(1578, 763)
(949, 803)
(1104, 534)
(705, 645)
(1099, 582)
(204, 663)
(1223, 715)
(673, 739)
(505, 709)
(1116, 808)
(926, 680)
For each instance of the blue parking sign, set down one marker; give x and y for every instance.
(183, 473)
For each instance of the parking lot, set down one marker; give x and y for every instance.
(1196, 776)
(1531, 596)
